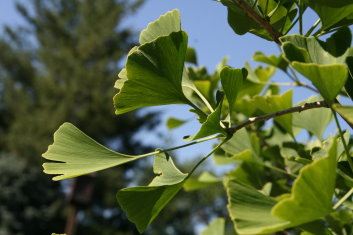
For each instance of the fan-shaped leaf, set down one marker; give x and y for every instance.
(163, 26)
(154, 74)
(216, 227)
(142, 204)
(76, 154)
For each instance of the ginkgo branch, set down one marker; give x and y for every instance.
(275, 35)
(319, 104)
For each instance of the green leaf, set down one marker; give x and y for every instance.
(308, 56)
(142, 204)
(339, 42)
(216, 227)
(241, 146)
(278, 15)
(174, 123)
(276, 61)
(345, 111)
(204, 180)
(212, 125)
(154, 74)
(274, 103)
(349, 83)
(256, 80)
(311, 199)
(163, 26)
(333, 13)
(250, 210)
(312, 192)
(76, 154)
(191, 56)
(314, 120)
(248, 173)
(232, 81)
(328, 79)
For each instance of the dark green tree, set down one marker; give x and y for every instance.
(61, 66)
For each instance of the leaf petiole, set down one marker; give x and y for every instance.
(343, 199)
(349, 159)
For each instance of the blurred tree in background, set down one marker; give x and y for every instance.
(61, 66)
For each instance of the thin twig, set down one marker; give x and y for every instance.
(319, 104)
(275, 35)
(343, 199)
(349, 159)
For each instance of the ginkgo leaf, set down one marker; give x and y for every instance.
(154, 74)
(142, 204)
(204, 180)
(333, 13)
(241, 146)
(314, 120)
(216, 227)
(232, 82)
(163, 26)
(250, 210)
(274, 103)
(74, 153)
(212, 125)
(255, 213)
(174, 123)
(327, 72)
(276, 61)
(345, 111)
(312, 191)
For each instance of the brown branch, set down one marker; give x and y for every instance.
(319, 104)
(275, 35)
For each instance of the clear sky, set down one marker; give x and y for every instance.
(205, 21)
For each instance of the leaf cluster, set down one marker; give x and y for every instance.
(277, 182)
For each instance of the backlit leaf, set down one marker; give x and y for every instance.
(232, 81)
(204, 180)
(142, 204)
(314, 120)
(74, 153)
(163, 26)
(154, 74)
(216, 227)
(274, 103)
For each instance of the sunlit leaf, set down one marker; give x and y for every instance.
(241, 146)
(314, 120)
(212, 125)
(345, 111)
(274, 103)
(232, 81)
(250, 210)
(311, 198)
(327, 72)
(163, 26)
(312, 191)
(142, 204)
(74, 153)
(276, 61)
(204, 180)
(333, 13)
(216, 227)
(174, 123)
(154, 74)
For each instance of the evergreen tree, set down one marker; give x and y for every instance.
(60, 67)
